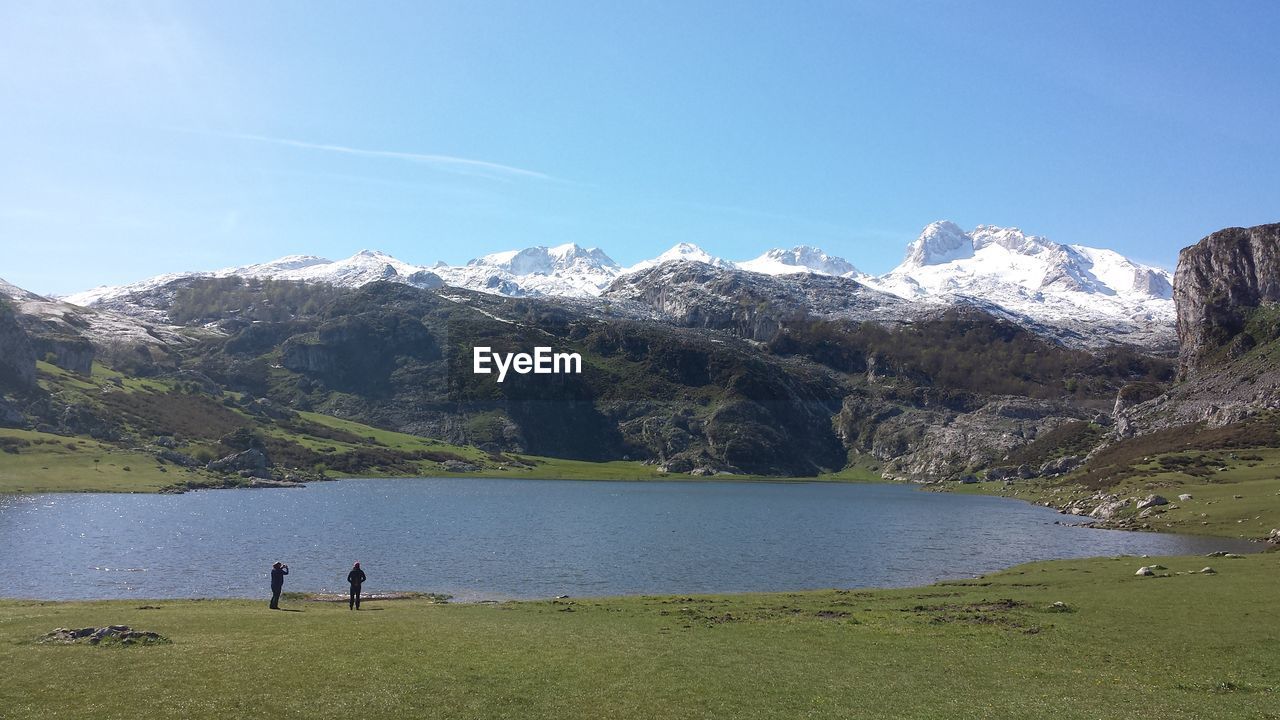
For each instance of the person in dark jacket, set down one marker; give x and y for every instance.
(278, 571)
(355, 577)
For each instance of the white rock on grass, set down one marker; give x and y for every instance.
(1152, 501)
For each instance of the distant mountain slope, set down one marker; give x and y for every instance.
(753, 305)
(1077, 295)
(564, 271)
(1096, 294)
(360, 269)
(800, 259)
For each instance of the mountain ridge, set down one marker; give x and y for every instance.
(1082, 295)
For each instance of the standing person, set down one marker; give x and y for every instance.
(278, 571)
(355, 577)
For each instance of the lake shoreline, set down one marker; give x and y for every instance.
(531, 539)
(1035, 493)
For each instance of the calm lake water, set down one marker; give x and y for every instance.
(478, 539)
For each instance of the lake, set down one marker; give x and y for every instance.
(492, 539)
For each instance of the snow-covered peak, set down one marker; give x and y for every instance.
(547, 261)
(14, 292)
(1011, 239)
(682, 252)
(1027, 276)
(799, 259)
(568, 270)
(945, 259)
(284, 264)
(940, 242)
(1126, 276)
(364, 267)
(1070, 286)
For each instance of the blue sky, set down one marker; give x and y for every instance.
(138, 138)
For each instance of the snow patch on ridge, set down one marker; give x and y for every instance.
(1086, 291)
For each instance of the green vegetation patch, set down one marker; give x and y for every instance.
(1068, 639)
(42, 462)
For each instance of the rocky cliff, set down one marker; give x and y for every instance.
(1219, 283)
(1227, 290)
(17, 358)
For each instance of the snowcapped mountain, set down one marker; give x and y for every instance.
(99, 324)
(945, 259)
(800, 259)
(1080, 294)
(681, 252)
(1070, 286)
(364, 267)
(564, 270)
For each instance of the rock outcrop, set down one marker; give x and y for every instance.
(252, 460)
(1227, 290)
(751, 305)
(17, 356)
(1218, 282)
(69, 352)
(939, 443)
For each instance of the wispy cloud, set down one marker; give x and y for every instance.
(451, 163)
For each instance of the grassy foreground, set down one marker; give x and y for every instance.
(1182, 646)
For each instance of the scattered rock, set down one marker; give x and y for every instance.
(459, 466)
(1152, 501)
(268, 483)
(1185, 497)
(1208, 571)
(177, 458)
(1108, 508)
(251, 460)
(1145, 571)
(122, 634)
(1060, 466)
(267, 408)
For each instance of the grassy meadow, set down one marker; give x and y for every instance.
(1233, 493)
(1182, 645)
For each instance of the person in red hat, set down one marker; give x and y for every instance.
(355, 577)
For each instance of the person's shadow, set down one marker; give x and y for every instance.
(290, 610)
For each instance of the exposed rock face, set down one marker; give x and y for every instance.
(358, 352)
(17, 357)
(1218, 281)
(68, 352)
(252, 460)
(751, 305)
(10, 416)
(1227, 287)
(939, 443)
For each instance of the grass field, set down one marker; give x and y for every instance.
(1182, 646)
(55, 463)
(1233, 493)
